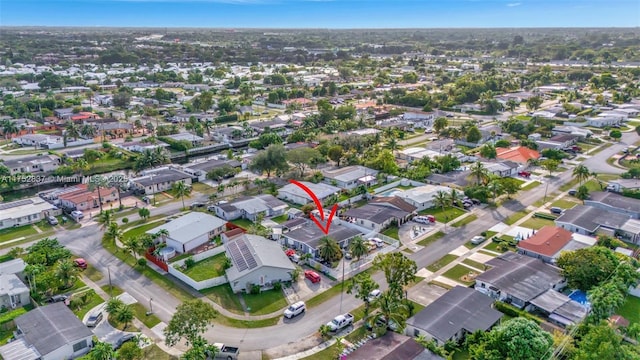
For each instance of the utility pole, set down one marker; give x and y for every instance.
(150, 306)
(110, 285)
(342, 290)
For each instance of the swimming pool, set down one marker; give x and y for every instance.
(580, 297)
(391, 192)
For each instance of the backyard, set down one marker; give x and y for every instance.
(207, 268)
(630, 310)
(445, 215)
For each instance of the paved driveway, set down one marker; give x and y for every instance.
(425, 294)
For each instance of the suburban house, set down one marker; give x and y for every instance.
(159, 180)
(306, 238)
(601, 122)
(350, 177)
(558, 142)
(278, 126)
(15, 267)
(139, 146)
(37, 140)
(84, 199)
(548, 242)
(393, 346)
(33, 164)
(503, 168)
(200, 169)
(51, 332)
(518, 154)
(195, 140)
(13, 292)
(558, 308)
(113, 130)
(296, 195)
(419, 119)
(517, 279)
(256, 261)
(380, 214)
(190, 231)
(250, 207)
(25, 212)
(619, 185)
(420, 197)
(582, 133)
(614, 203)
(589, 220)
(450, 317)
(416, 153)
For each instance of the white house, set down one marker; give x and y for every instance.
(25, 212)
(191, 230)
(350, 177)
(421, 197)
(256, 261)
(251, 207)
(295, 194)
(51, 332)
(33, 164)
(159, 180)
(13, 292)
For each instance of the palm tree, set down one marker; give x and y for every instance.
(96, 182)
(132, 246)
(495, 187)
(581, 173)
(124, 315)
(454, 198)
(181, 189)
(88, 131)
(149, 126)
(162, 234)
(441, 199)
(102, 351)
(392, 311)
(113, 305)
(207, 126)
(66, 272)
(358, 247)
(328, 249)
(113, 232)
(72, 130)
(105, 219)
(9, 127)
(479, 172)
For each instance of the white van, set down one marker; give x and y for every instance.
(295, 309)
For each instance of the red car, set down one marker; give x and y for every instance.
(312, 276)
(524, 174)
(81, 263)
(290, 252)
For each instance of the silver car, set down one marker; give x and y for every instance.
(94, 319)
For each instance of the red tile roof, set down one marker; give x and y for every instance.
(547, 241)
(518, 154)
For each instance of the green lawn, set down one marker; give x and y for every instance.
(475, 264)
(392, 232)
(630, 310)
(466, 220)
(108, 289)
(515, 217)
(442, 262)
(530, 185)
(155, 353)
(593, 185)
(431, 238)
(447, 215)
(243, 223)
(207, 268)
(493, 246)
(280, 219)
(16, 232)
(457, 272)
(537, 223)
(137, 231)
(266, 302)
(203, 188)
(141, 313)
(93, 301)
(223, 296)
(324, 296)
(564, 203)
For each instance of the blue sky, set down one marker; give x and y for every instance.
(322, 13)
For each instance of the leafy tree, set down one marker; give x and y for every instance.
(441, 199)
(265, 140)
(304, 157)
(328, 249)
(495, 186)
(588, 267)
(605, 299)
(181, 190)
(502, 144)
(447, 163)
(358, 247)
(615, 134)
(46, 252)
(144, 213)
(509, 185)
(222, 172)
(200, 350)
(582, 193)
(335, 153)
(602, 341)
(554, 154)
(533, 103)
(515, 339)
(102, 351)
(385, 162)
(512, 104)
(391, 311)
(130, 351)
(550, 165)
(270, 160)
(398, 269)
(189, 321)
(488, 151)
(440, 124)
(66, 272)
(362, 285)
(473, 134)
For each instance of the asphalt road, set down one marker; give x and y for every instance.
(598, 163)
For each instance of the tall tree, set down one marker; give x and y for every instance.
(181, 190)
(582, 193)
(71, 129)
(335, 153)
(97, 182)
(303, 158)
(581, 173)
(398, 269)
(105, 219)
(588, 267)
(328, 249)
(515, 339)
(479, 171)
(440, 124)
(273, 159)
(66, 272)
(102, 351)
(392, 312)
(441, 200)
(533, 103)
(362, 285)
(550, 165)
(358, 247)
(189, 321)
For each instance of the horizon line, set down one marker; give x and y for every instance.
(313, 28)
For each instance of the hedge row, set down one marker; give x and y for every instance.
(514, 311)
(545, 216)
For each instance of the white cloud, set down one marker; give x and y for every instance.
(514, 4)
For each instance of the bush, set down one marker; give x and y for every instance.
(514, 311)
(255, 290)
(484, 233)
(277, 286)
(226, 118)
(142, 262)
(189, 262)
(545, 216)
(125, 220)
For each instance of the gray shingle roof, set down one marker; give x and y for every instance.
(250, 252)
(614, 200)
(459, 308)
(159, 177)
(591, 218)
(11, 285)
(49, 327)
(310, 234)
(190, 226)
(375, 214)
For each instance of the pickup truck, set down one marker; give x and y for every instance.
(226, 352)
(340, 322)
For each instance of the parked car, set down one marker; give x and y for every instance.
(80, 262)
(374, 294)
(477, 240)
(57, 298)
(573, 192)
(52, 220)
(94, 319)
(197, 205)
(382, 322)
(226, 352)
(556, 210)
(77, 214)
(312, 276)
(476, 201)
(295, 309)
(379, 243)
(610, 188)
(524, 174)
(348, 255)
(123, 339)
(340, 322)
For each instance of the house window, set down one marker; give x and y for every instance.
(79, 345)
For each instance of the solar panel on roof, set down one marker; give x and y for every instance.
(239, 261)
(15, 204)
